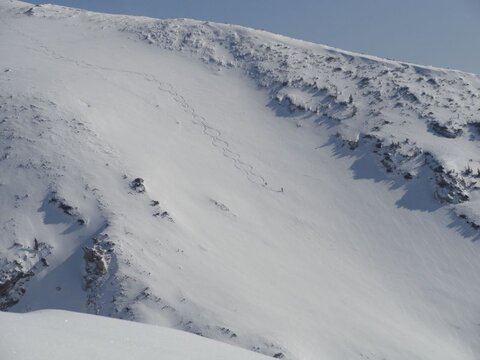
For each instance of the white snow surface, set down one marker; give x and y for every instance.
(300, 201)
(60, 335)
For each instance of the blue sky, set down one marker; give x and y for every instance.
(443, 33)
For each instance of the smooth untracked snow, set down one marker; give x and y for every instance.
(60, 335)
(268, 233)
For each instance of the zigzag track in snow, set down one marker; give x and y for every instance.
(213, 133)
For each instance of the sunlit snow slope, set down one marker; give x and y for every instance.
(290, 198)
(60, 335)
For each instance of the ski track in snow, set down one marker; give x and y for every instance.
(213, 133)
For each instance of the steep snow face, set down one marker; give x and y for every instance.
(290, 198)
(59, 335)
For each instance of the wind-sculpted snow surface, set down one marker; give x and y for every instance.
(294, 199)
(385, 104)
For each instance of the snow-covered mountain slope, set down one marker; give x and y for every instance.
(60, 335)
(293, 199)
